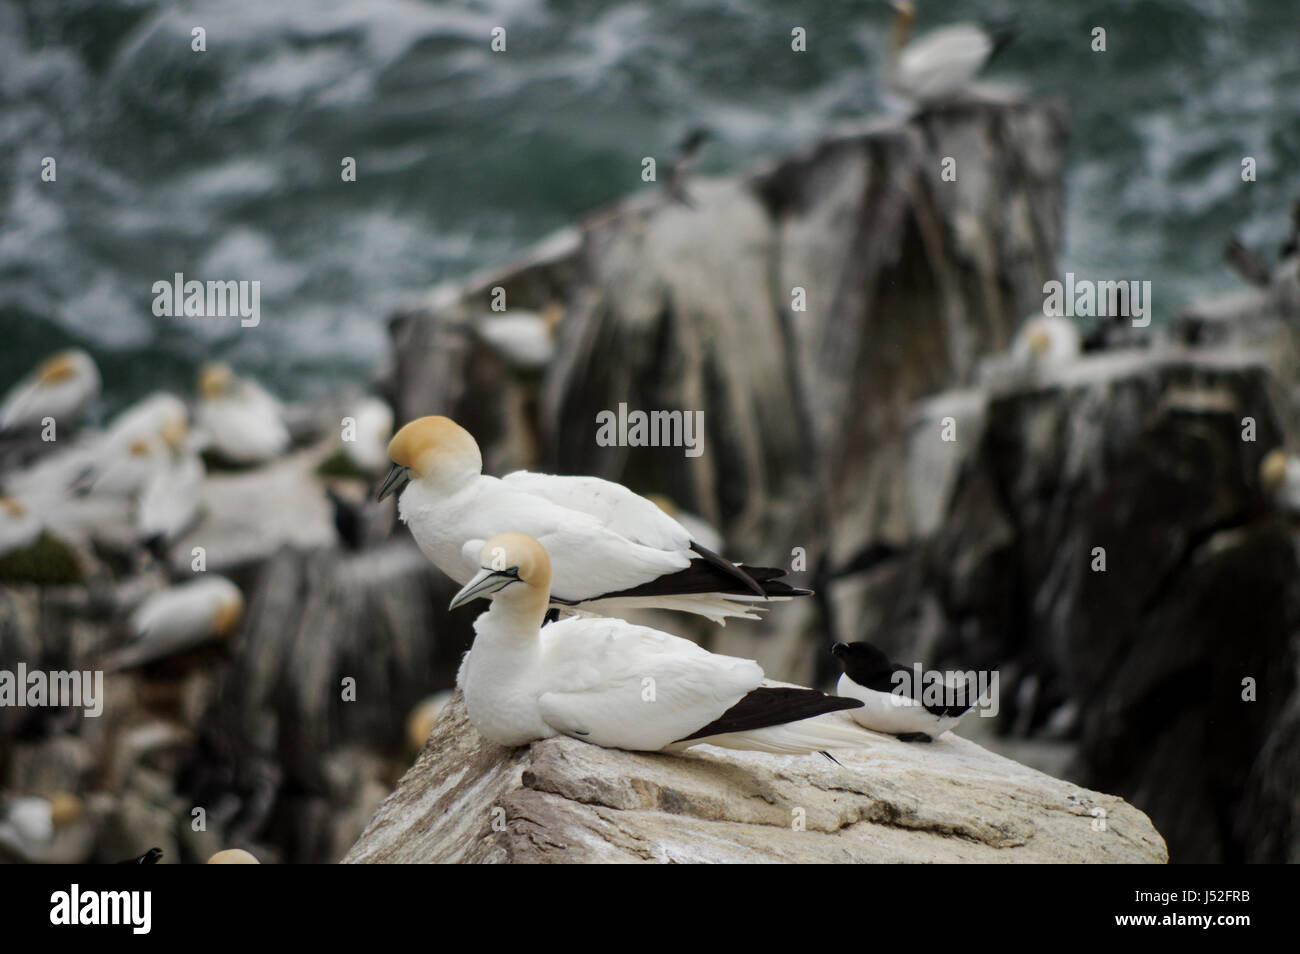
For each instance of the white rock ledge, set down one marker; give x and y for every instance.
(564, 801)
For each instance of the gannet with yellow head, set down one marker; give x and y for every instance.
(238, 419)
(610, 548)
(940, 65)
(617, 685)
(180, 618)
(62, 387)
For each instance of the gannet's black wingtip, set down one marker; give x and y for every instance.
(729, 568)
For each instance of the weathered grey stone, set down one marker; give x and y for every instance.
(561, 800)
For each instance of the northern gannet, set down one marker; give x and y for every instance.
(1046, 342)
(368, 451)
(616, 685)
(525, 339)
(20, 526)
(61, 387)
(891, 703)
(610, 548)
(239, 420)
(180, 618)
(169, 501)
(121, 461)
(941, 64)
(1279, 476)
(233, 856)
(421, 719)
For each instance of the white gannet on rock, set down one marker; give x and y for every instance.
(180, 618)
(63, 386)
(368, 451)
(1279, 476)
(240, 422)
(940, 65)
(616, 685)
(133, 448)
(20, 525)
(169, 501)
(891, 703)
(525, 339)
(1046, 343)
(29, 825)
(610, 548)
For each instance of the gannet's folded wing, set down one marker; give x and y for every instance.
(630, 687)
(589, 562)
(617, 508)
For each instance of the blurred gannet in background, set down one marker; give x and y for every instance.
(941, 64)
(609, 547)
(62, 387)
(134, 447)
(1046, 343)
(616, 685)
(1279, 476)
(869, 677)
(420, 722)
(374, 428)
(233, 856)
(683, 164)
(169, 501)
(239, 420)
(180, 618)
(19, 525)
(525, 339)
(30, 825)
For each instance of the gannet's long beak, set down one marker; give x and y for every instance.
(485, 583)
(398, 477)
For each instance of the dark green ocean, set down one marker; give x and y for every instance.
(225, 163)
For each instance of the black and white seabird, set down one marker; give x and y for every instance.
(892, 700)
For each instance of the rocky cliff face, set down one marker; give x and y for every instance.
(563, 801)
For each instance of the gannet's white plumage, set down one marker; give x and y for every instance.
(613, 684)
(61, 387)
(121, 461)
(869, 677)
(170, 499)
(1279, 476)
(1046, 342)
(20, 525)
(238, 419)
(610, 548)
(937, 66)
(180, 618)
(525, 339)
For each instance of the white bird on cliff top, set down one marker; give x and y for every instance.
(941, 64)
(170, 499)
(180, 618)
(133, 448)
(616, 685)
(1045, 343)
(610, 548)
(61, 387)
(368, 450)
(871, 678)
(525, 339)
(238, 419)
